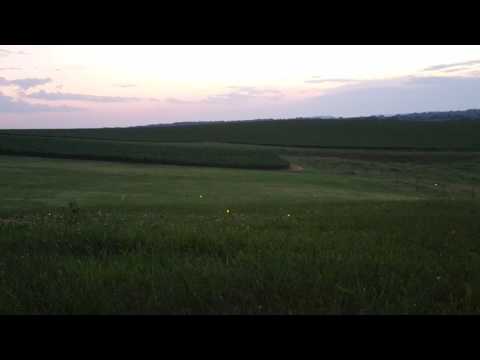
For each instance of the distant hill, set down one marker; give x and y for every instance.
(471, 114)
(189, 123)
(454, 130)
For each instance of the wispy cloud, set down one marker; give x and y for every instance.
(4, 52)
(71, 67)
(474, 73)
(178, 101)
(444, 67)
(336, 80)
(60, 96)
(450, 81)
(9, 105)
(10, 68)
(24, 84)
(243, 94)
(456, 69)
(237, 94)
(124, 85)
(252, 90)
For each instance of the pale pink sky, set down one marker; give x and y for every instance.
(97, 86)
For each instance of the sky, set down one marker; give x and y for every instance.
(114, 86)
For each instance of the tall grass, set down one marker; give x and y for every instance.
(342, 258)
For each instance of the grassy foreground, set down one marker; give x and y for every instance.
(343, 236)
(368, 257)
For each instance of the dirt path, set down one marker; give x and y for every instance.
(295, 167)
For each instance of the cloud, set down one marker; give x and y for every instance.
(178, 101)
(474, 73)
(59, 96)
(24, 84)
(9, 105)
(251, 90)
(457, 69)
(446, 83)
(238, 95)
(337, 80)
(444, 67)
(75, 67)
(4, 52)
(243, 94)
(71, 67)
(10, 68)
(400, 95)
(124, 85)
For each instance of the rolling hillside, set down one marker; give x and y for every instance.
(366, 133)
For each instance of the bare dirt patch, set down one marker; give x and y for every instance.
(295, 167)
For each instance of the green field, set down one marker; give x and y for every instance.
(337, 133)
(350, 232)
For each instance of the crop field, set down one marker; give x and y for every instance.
(339, 133)
(200, 155)
(347, 232)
